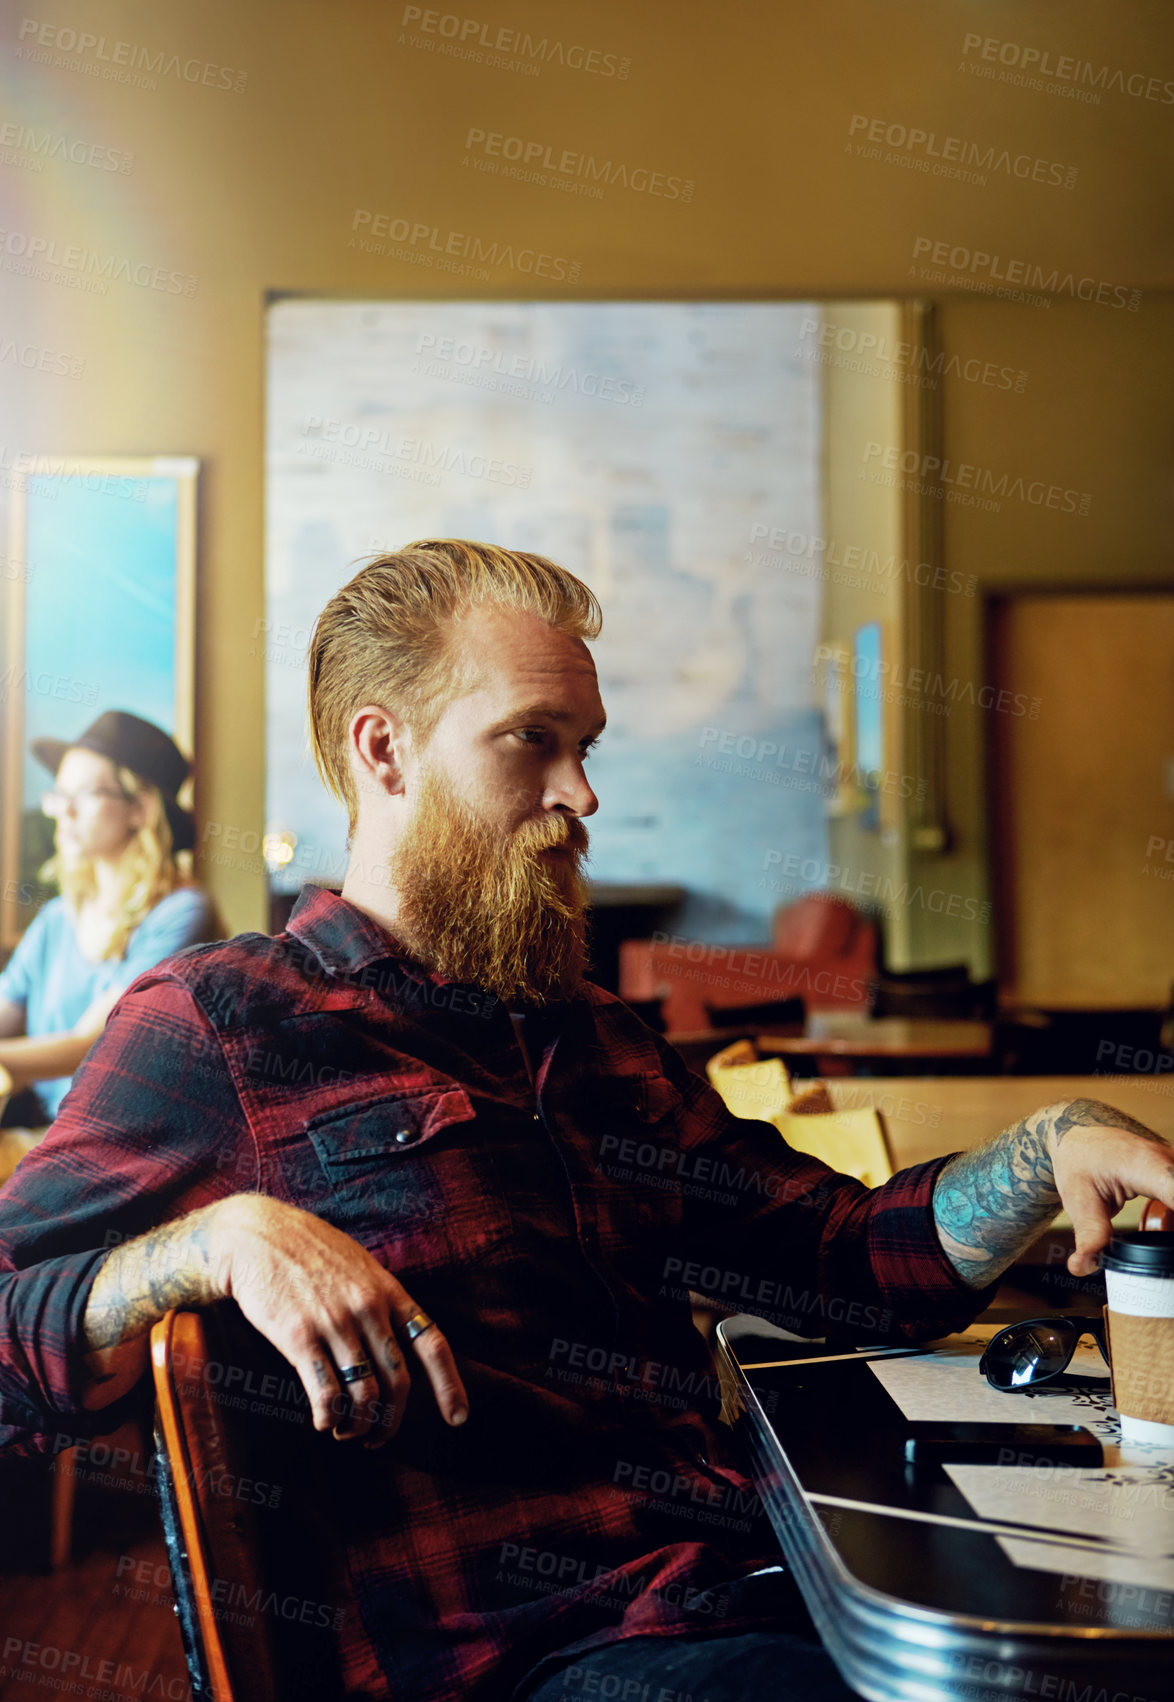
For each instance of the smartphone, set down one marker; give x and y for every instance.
(1002, 1445)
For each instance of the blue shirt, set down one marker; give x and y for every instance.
(48, 975)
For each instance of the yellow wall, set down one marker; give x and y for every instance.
(864, 524)
(256, 191)
(1099, 412)
(1093, 418)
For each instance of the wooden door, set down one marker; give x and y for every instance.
(1082, 799)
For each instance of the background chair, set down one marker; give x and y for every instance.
(1038, 1042)
(853, 1141)
(821, 950)
(13, 1142)
(941, 994)
(779, 1015)
(15, 1139)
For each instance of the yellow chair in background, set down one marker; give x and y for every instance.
(14, 1143)
(853, 1142)
(750, 1088)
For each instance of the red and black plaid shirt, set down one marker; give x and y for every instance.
(553, 1230)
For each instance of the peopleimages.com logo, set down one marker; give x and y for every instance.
(1035, 63)
(508, 48)
(120, 60)
(927, 147)
(37, 254)
(466, 362)
(932, 475)
(533, 158)
(42, 145)
(922, 365)
(987, 269)
(423, 244)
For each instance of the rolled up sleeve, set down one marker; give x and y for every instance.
(807, 1248)
(151, 1129)
(44, 1311)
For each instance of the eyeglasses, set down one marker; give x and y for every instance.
(60, 803)
(1023, 1356)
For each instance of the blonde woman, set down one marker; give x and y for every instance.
(124, 903)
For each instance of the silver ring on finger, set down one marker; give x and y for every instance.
(417, 1324)
(357, 1372)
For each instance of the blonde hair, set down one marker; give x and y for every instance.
(383, 637)
(149, 867)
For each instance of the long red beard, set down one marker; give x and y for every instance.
(488, 909)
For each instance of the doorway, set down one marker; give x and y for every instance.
(1082, 800)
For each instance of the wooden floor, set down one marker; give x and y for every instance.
(101, 1628)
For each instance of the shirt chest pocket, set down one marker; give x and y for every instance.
(639, 1149)
(411, 1178)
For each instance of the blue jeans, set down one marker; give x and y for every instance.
(783, 1663)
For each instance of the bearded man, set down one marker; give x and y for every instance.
(414, 1099)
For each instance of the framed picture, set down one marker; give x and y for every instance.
(868, 675)
(877, 711)
(842, 794)
(99, 613)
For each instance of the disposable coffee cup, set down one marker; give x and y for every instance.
(1139, 1278)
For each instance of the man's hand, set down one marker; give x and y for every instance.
(1102, 1157)
(989, 1204)
(320, 1298)
(326, 1304)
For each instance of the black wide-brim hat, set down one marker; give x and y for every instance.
(130, 742)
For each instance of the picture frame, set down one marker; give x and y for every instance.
(834, 694)
(99, 613)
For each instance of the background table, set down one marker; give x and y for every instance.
(928, 1115)
(839, 1040)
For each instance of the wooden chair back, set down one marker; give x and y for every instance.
(245, 1532)
(209, 1538)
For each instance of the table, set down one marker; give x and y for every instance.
(935, 1583)
(928, 1115)
(832, 1038)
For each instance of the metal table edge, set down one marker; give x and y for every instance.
(871, 1634)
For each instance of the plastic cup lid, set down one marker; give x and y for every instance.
(1147, 1252)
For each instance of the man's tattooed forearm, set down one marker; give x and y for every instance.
(1083, 1113)
(143, 1279)
(989, 1203)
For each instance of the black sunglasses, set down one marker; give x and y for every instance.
(1022, 1356)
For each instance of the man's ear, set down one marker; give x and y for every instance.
(379, 746)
